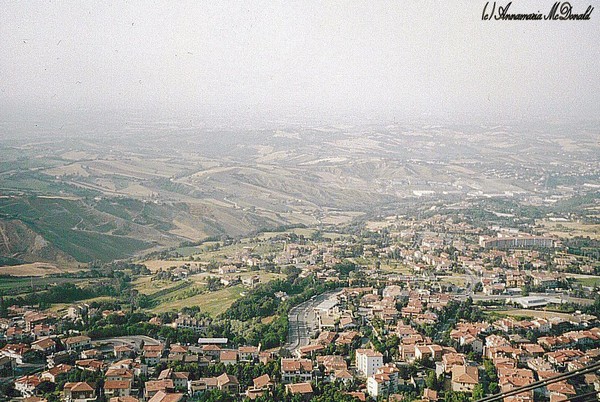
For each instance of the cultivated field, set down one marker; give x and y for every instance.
(533, 313)
(213, 303)
(571, 229)
(36, 269)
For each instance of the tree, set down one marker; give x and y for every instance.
(478, 392)
(431, 381)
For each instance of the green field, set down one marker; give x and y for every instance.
(10, 286)
(213, 303)
(590, 281)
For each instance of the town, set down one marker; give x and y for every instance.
(398, 308)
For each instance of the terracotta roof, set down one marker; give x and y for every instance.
(369, 352)
(225, 379)
(154, 348)
(161, 396)
(358, 395)
(296, 365)
(117, 385)
(465, 374)
(228, 355)
(561, 387)
(119, 372)
(299, 388)
(152, 353)
(430, 394)
(159, 385)
(78, 387)
(343, 374)
(262, 381)
(209, 348)
(123, 399)
(77, 339)
(44, 343)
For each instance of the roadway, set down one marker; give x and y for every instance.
(133, 341)
(563, 297)
(303, 321)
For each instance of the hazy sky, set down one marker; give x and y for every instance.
(402, 57)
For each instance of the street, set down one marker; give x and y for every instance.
(303, 321)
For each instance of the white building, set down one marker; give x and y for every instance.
(368, 361)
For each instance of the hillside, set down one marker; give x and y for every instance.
(124, 188)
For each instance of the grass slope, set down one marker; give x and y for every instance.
(71, 227)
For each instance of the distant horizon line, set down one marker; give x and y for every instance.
(23, 113)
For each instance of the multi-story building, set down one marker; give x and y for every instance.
(296, 370)
(368, 361)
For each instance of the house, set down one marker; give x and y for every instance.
(90, 365)
(152, 387)
(34, 399)
(248, 353)
(378, 384)
(464, 378)
(178, 351)
(45, 346)
(263, 382)
(51, 374)
(117, 388)
(224, 382)
(261, 385)
(13, 334)
(78, 343)
(123, 399)
(428, 352)
(180, 378)
(385, 380)
(228, 383)
(342, 375)
(309, 350)
(332, 363)
(184, 321)
(119, 374)
(368, 361)
(152, 357)
(32, 318)
(541, 325)
(227, 269)
(77, 312)
(430, 395)
(407, 352)
(265, 357)
(561, 390)
(510, 378)
(92, 354)
(251, 281)
(304, 389)
(43, 330)
(122, 351)
(78, 392)
(27, 385)
(228, 357)
(197, 387)
(15, 351)
(450, 360)
(357, 395)
(212, 351)
(296, 370)
(162, 396)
